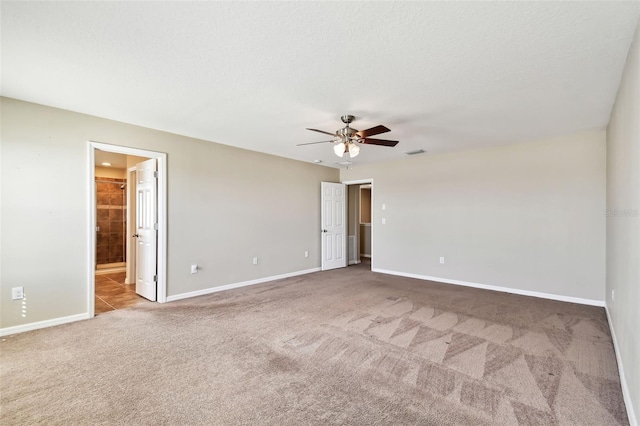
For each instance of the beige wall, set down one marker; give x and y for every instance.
(353, 198)
(365, 205)
(365, 240)
(132, 160)
(225, 206)
(527, 216)
(353, 228)
(623, 224)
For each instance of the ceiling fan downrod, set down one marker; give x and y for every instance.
(347, 134)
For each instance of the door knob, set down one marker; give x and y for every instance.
(136, 235)
(324, 230)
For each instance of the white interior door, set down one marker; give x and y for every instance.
(146, 229)
(333, 215)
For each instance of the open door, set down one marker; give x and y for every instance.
(333, 215)
(146, 229)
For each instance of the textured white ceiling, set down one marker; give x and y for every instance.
(441, 75)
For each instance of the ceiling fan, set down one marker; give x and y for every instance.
(348, 138)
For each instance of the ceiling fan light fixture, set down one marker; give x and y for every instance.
(347, 140)
(354, 149)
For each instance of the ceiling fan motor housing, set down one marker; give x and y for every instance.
(347, 132)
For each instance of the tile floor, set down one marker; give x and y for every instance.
(112, 293)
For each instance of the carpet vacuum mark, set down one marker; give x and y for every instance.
(341, 347)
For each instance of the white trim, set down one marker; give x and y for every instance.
(162, 216)
(110, 271)
(92, 223)
(354, 262)
(541, 295)
(623, 382)
(130, 263)
(357, 182)
(237, 285)
(163, 226)
(42, 324)
(365, 255)
(113, 265)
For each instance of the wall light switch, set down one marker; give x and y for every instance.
(255, 260)
(384, 221)
(306, 254)
(442, 260)
(384, 207)
(194, 269)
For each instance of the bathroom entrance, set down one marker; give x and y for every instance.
(128, 232)
(111, 216)
(115, 216)
(115, 211)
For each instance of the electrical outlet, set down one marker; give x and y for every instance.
(194, 269)
(255, 260)
(306, 254)
(442, 260)
(17, 293)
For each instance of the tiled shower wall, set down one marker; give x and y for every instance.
(111, 215)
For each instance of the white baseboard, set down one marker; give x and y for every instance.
(110, 270)
(365, 255)
(354, 262)
(559, 297)
(42, 324)
(237, 285)
(623, 382)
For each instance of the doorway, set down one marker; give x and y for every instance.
(115, 282)
(114, 208)
(113, 226)
(360, 222)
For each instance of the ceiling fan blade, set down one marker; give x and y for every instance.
(321, 131)
(313, 143)
(372, 131)
(383, 142)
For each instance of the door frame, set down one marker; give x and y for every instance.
(91, 215)
(130, 258)
(373, 212)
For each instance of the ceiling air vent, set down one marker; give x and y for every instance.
(415, 152)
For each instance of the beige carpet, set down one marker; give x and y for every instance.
(340, 347)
